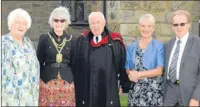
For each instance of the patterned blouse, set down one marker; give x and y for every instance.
(20, 73)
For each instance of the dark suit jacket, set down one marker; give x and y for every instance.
(189, 75)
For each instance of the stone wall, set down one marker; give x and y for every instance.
(122, 16)
(39, 12)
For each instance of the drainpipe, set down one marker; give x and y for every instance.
(199, 27)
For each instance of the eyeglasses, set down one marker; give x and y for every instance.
(57, 20)
(181, 24)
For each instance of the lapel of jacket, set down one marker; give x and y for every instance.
(133, 52)
(186, 50)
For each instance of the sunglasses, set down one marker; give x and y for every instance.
(181, 24)
(57, 20)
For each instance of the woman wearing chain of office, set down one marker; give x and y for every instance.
(54, 53)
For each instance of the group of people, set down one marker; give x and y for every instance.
(90, 70)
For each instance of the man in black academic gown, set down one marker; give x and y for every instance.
(100, 61)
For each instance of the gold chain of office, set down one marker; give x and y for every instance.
(59, 47)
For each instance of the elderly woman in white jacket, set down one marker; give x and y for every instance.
(20, 66)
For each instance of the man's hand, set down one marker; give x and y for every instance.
(120, 91)
(194, 102)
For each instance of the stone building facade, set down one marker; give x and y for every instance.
(121, 16)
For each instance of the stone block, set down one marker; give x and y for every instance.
(115, 27)
(169, 17)
(126, 29)
(37, 6)
(195, 16)
(98, 6)
(176, 4)
(128, 40)
(51, 6)
(26, 6)
(113, 16)
(157, 30)
(195, 6)
(137, 14)
(126, 16)
(113, 4)
(39, 13)
(155, 5)
(165, 29)
(159, 16)
(10, 5)
(129, 30)
(186, 5)
(41, 21)
(37, 30)
(129, 5)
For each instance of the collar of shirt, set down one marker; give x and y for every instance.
(183, 39)
(12, 39)
(99, 38)
(182, 46)
(55, 36)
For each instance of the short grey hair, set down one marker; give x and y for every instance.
(147, 17)
(94, 13)
(19, 12)
(60, 12)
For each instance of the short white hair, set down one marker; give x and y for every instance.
(96, 13)
(60, 12)
(19, 12)
(147, 17)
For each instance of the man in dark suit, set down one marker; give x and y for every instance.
(182, 72)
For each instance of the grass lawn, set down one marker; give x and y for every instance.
(123, 100)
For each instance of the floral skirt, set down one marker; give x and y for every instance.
(56, 93)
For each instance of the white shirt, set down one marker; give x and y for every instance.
(182, 47)
(99, 38)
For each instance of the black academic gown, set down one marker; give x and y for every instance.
(97, 68)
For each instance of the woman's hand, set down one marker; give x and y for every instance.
(133, 76)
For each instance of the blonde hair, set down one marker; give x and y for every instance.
(182, 12)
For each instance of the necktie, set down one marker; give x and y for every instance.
(97, 39)
(172, 69)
